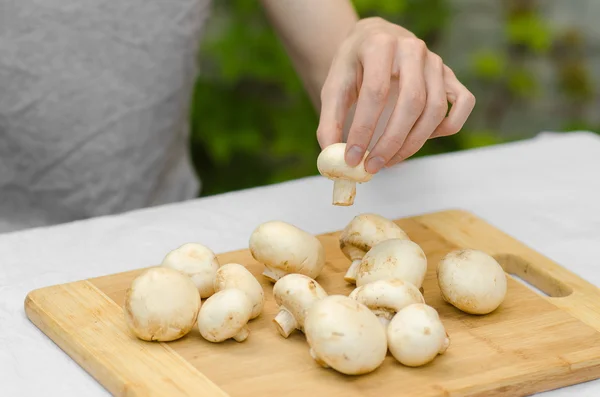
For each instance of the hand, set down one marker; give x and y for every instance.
(374, 55)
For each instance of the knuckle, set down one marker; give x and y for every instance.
(361, 132)
(410, 147)
(380, 39)
(395, 141)
(470, 99)
(378, 92)
(415, 44)
(440, 109)
(436, 61)
(450, 128)
(416, 100)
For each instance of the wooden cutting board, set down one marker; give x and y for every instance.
(531, 343)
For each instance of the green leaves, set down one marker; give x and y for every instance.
(530, 30)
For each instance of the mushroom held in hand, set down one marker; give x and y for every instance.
(161, 305)
(332, 164)
(224, 315)
(393, 258)
(294, 294)
(387, 297)
(198, 262)
(283, 249)
(234, 275)
(345, 335)
(361, 234)
(472, 281)
(416, 335)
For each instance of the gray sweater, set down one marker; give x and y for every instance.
(94, 99)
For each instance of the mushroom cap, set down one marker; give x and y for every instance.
(393, 258)
(416, 335)
(386, 297)
(331, 163)
(196, 261)
(297, 293)
(234, 275)
(366, 230)
(286, 249)
(345, 335)
(472, 281)
(224, 315)
(161, 304)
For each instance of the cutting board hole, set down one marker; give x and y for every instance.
(533, 277)
(532, 287)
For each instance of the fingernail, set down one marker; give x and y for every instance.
(354, 155)
(374, 164)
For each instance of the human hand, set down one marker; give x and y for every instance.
(374, 56)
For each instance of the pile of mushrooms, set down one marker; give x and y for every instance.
(386, 310)
(164, 302)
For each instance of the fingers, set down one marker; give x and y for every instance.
(377, 57)
(434, 113)
(337, 95)
(463, 102)
(411, 102)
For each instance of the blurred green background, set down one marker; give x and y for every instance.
(527, 62)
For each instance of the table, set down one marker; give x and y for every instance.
(545, 191)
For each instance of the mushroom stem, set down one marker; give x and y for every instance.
(344, 191)
(351, 273)
(384, 316)
(242, 335)
(317, 359)
(285, 322)
(272, 274)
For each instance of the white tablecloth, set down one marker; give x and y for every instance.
(544, 191)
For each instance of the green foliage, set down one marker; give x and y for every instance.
(253, 124)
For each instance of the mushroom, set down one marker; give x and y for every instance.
(283, 249)
(225, 315)
(234, 275)
(161, 304)
(361, 234)
(416, 335)
(472, 281)
(294, 295)
(393, 258)
(387, 297)
(331, 163)
(345, 335)
(196, 261)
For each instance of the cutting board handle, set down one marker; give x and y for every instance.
(561, 287)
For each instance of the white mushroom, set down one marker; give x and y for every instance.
(294, 295)
(393, 258)
(161, 304)
(225, 315)
(196, 261)
(472, 281)
(331, 164)
(387, 297)
(345, 335)
(361, 234)
(234, 275)
(416, 335)
(283, 249)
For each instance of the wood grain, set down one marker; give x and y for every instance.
(90, 328)
(531, 343)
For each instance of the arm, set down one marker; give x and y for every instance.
(311, 32)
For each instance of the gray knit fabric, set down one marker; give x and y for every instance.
(94, 98)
